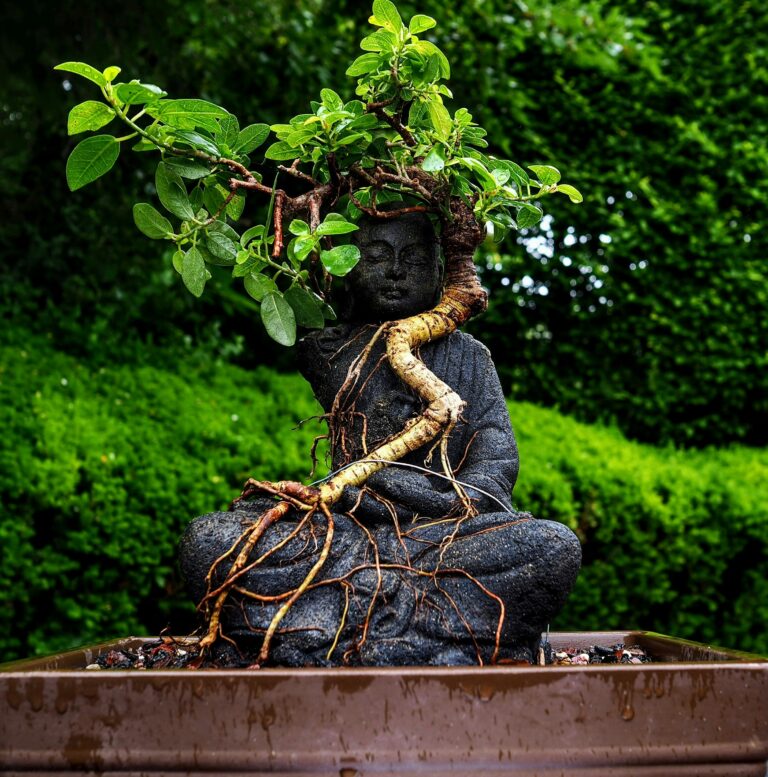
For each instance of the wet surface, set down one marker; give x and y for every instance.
(663, 717)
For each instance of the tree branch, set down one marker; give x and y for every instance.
(377, 109)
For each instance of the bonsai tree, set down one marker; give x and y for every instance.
(394, 141)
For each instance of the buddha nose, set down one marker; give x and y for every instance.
(396, 267)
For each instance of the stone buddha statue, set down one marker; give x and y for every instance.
(412, 576)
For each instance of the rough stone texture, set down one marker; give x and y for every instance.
(498, 556)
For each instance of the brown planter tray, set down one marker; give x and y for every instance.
(701, 711)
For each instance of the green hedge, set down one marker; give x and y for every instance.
(674, 541)
(101, 468)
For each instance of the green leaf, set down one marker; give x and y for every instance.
(138, 94)
(236, 206)
(500, 175)
(571, 191)
(381, 40)
(251, 264)
(221, 248)
(173, 193)
(283, 130)
(90, 115)
(348, 140)
(521, 178)
(86, 71)
(251, 138)
(306, 306)
(152, 223)
(440, 119)
(298, 227)
(178, 261)
(190, 114)
(547, 174)
(229, 128)
(196, 140)
(367, 121)
(90, 159)
(111, 73)
(144, 145)
(303, 247)
(386, 15)
(258, 285)
(254, 233)
(340, 260)
(419, 23)
(213, 197)
(484, 177)
(278, 318)
(434, 160)
(187, 168)
(295, 139)
(194, 273)
(365, 63)
(428, 49)
(281, 151)
(331, 100)
(225, 229)
(196, 201)
(336, 226)
(528, 216)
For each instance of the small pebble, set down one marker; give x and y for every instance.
(93, 666)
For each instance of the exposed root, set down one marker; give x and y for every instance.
(251, 537)
(282, 612)
(442, 408)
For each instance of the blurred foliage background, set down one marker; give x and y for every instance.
(642, 311)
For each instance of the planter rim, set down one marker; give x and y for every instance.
(705, 712)
(672, 652)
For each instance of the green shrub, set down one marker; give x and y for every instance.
(102, 467)
(673, 541)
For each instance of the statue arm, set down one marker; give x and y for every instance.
(491, 460)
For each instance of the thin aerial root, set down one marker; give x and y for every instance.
(458, 611)
(219, 560)
(313, 452)
(469, 508)
(254, 533)
(343, 621)
(233, 576)
(261, 597)
(282, 612)
(458, 467)
(375, 595)
(297, 494)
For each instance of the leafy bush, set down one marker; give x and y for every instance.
(101, 468)
(673, 541)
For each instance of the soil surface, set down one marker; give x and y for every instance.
(169, 653)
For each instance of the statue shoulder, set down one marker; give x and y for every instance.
(471, 351)
(323, 349)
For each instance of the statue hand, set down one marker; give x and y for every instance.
(416, 493)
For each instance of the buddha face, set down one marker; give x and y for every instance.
(398, 274)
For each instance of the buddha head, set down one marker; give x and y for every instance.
(398, 274)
